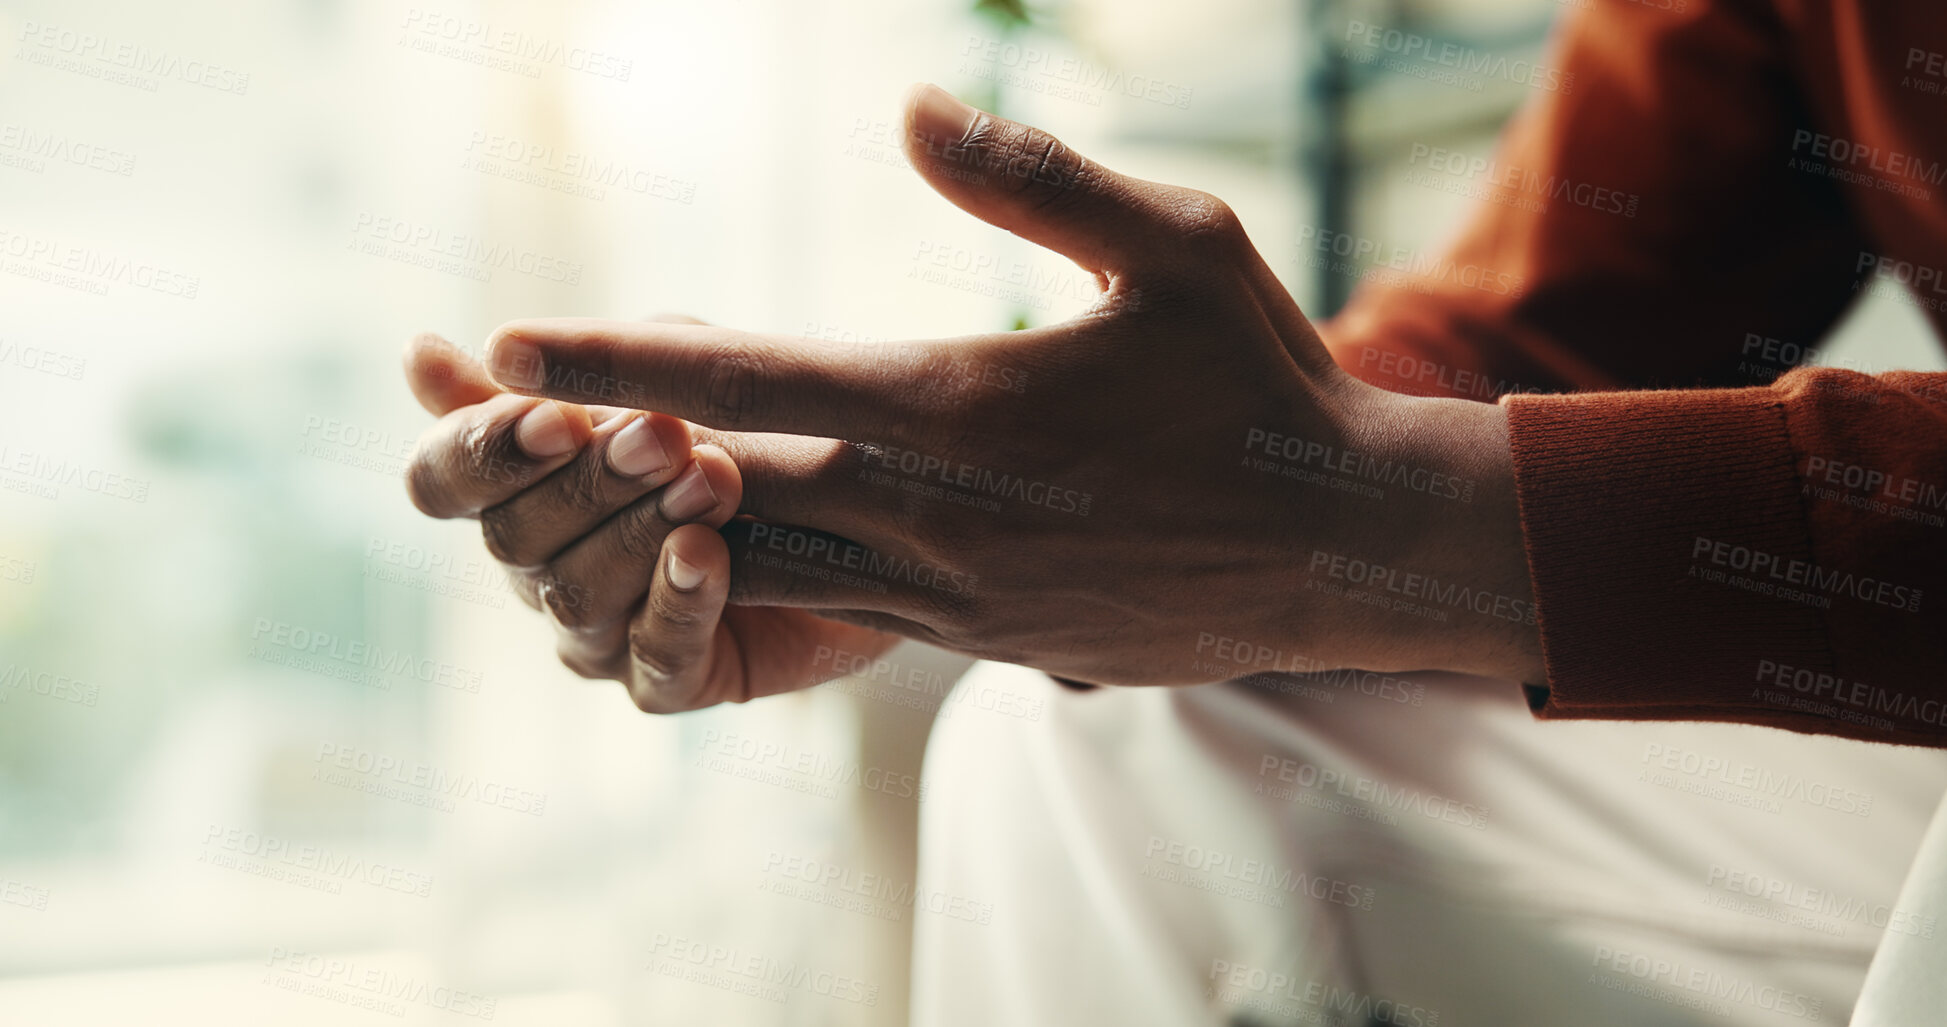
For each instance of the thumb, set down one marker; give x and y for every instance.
(1020, 178)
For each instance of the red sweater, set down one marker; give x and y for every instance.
(1685, 218)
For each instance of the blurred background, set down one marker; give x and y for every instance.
(274, 747)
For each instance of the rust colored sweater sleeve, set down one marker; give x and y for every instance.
(1736, 540)
(1639, 227)
(1772, 555)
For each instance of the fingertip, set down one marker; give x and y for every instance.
(725, 481)
(581, 422)
(673, 433)
(909, 105)
(513, 358)
(442, 376)
(421, 343)
(683, 575)
(694, 558)
(550, 430)
(671, 640)
(933, 114)
(430, 353)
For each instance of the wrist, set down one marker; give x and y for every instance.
(1453, 520)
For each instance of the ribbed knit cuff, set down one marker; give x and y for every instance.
(1652, 520)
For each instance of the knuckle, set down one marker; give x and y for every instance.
(675, 613)
(582, 489)
(424, 488)
(570, 604)
(988, 141)
(573, 658)
(940, 386)
(478, 451)
(649, 655)
(639, 533)
(502, 529)
(526, 584)
(730, 384)
(1033, 162)
(942, 534)
(1202, 217)
(657, 674)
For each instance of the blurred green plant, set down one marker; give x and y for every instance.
(1004, 14)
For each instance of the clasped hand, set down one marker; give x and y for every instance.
(1113, 499)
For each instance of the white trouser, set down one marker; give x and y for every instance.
(1376, 852)
(1908, 979)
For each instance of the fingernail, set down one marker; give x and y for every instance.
(689, 496)
(683, 576)
(635, 451)
(514, 362)
(937, 115)
(543, 433)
